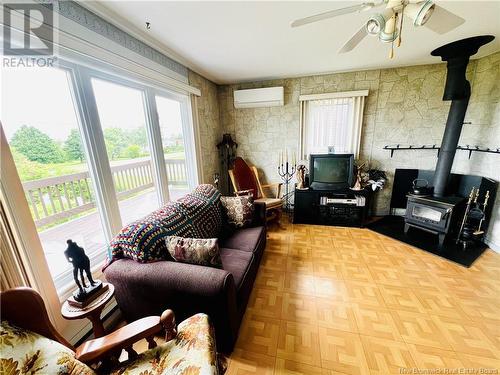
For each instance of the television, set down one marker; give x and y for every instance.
(331, 171)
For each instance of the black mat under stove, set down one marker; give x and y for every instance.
(393, 226)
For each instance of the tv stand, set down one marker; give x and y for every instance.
(342, 207)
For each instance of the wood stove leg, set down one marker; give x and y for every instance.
(407, 227)
(441, 237)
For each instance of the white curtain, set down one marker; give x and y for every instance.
(334, 121)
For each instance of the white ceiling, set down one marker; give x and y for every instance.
(236, 41)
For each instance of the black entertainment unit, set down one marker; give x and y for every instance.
(342, 207)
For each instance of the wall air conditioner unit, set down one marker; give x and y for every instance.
(254, 98)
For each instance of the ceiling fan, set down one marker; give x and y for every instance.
(388, 24)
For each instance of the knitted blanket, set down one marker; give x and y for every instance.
(196, 215)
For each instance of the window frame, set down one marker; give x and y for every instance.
(356, 114)
(188, 133)
(85, 107)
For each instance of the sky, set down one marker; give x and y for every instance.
(41, 97)
(37, 97)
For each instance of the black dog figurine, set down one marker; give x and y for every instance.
(81, 262)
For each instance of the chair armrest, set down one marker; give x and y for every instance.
(123, 338)
(276, 185)
(243, 192)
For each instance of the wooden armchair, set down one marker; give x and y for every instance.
(246, 179)
(24, 308)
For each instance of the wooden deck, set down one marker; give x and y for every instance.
(87, 230)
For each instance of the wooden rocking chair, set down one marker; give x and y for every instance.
(246, 179)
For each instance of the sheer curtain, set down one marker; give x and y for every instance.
(332, 120)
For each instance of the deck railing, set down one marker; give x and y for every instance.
(56, 198)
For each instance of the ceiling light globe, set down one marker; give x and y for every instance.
(420, 12)
(375, 24)
(388, 37)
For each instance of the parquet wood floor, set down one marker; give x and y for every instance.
(332, 300)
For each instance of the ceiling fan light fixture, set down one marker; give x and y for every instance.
(390, 31)
(420, 12)
(388, 37)
(375, 24)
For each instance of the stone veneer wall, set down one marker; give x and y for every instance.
(209, 124)
(404, 107)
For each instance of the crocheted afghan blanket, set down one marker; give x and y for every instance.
(196, 215)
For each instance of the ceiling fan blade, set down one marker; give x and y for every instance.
(332, 13)
(355, 40)
(443, 21)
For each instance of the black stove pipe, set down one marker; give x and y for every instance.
(457, 90)
(449, 143)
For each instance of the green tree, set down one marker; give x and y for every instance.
(36, 145)
(28, 170)
(132, 152)
(116, 140)
(73, 146)
(138, 136)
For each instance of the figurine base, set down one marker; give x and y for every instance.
(79, 299)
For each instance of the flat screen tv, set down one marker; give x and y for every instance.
(331, 171)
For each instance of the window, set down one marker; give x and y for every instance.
(174, 138)
(332, 120)
(44, 135)
(127, 147)
(88, 157)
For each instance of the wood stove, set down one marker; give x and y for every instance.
(439, 214)
(435, 215)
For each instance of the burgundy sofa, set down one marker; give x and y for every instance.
(144, 289)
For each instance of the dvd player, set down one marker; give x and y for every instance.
(341, 201)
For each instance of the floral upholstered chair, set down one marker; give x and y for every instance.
(29, 344)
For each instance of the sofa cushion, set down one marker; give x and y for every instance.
(191, 352)
(200, 251)
(237, 262)
(246, 239)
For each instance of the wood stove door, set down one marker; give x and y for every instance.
(433, 217)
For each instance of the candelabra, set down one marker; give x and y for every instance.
(286, 171)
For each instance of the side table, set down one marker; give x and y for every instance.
(92, 311)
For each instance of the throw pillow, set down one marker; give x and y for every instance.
(239, 210)
(201, 251)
